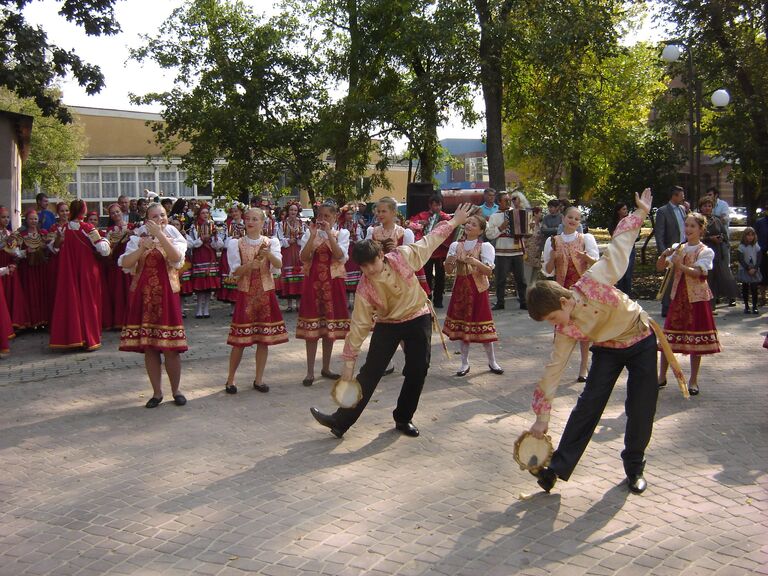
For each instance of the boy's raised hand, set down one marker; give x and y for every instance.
(644, 201)
(462, 213)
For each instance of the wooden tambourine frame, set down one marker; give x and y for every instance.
(533, 453)
(347, 393)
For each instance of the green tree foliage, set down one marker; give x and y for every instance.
(646, 157)
(30, 65)
(245, 91)
(577, 99)
(728, 43)
(55, 147)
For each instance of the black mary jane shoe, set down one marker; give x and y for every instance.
(179, 399)
(389, 371)
(307, 381)
(581, 379)
(462, 373)
(693, 391)
(662, 384)
(407, 428)
(230, 389)
(330, 375)
(198, 316)
(546, 478)
(154, 402)
(260, 387)
(496, 370)
(206, 315)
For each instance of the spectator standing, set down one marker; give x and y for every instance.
(620, 211)
(750, 255)
(434, 269)
(720, 279)
(489, 206)
(509, 252)
(45, 217)
(669, 229)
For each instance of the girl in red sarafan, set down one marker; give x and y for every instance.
(323, 308)
(33, 271)
(76, 319)
(153, 324)
(11, 252)
(353, 273)
(235, 229)
(257, 318)
(204, 241)
(689, 326)
(469, 318)
(289, 233)
(117, 283)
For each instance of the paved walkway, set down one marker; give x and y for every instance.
(93, 483)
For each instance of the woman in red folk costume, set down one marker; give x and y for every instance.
(104, 261)
(257, 318)
(235, 230)
(6, 329)
(34, 272)
(153, 326)
(76, 319)
(15, 296)
(353, 273)
(289, 233)
(117, 283)
(323, 310)
(204, 241)
(55, 240)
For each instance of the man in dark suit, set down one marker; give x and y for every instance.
(670, 229)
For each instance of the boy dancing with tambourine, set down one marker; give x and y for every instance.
(623, 336)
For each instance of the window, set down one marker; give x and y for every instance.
(476, 169)
(128, 185)
(146, 181)
(168, 184)
(72, 186)
(89, 183)
(185, 191)
(109, 184)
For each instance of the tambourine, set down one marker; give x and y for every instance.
(533, 453)
(347, 393)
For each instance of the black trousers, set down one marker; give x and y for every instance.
(415, 335)
(640, 406)
(503, 266)
(434, 270)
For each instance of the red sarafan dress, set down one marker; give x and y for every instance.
(35, 277)
(352, 269)
(153, 321)
(54, 232)
(76, 319)
(117, 282)
(291, 274)
(257, 318)
(204, 241)
(469, 316)
(402, 236)
(228, 290)
(6, 329)
(15, 298)
(323, 309)
(689, 325)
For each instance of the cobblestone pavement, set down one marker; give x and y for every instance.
(93, 483)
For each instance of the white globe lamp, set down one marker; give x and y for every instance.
(720, 98)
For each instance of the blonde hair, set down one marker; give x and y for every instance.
(389, 202)
(258, 211)
(700, 219)
(749, 230)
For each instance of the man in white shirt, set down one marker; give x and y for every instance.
(509, 253)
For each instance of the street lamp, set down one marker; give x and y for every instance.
(720, 99)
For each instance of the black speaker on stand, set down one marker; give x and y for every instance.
(417, 197)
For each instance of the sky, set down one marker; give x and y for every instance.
(137, 17)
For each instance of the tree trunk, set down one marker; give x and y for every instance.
(491, 80)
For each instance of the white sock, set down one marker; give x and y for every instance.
(199, 304)
(206, 302)
(464, 356)
(490, 352)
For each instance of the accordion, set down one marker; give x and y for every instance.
(520, 223)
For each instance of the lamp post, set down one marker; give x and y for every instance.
(720, 99)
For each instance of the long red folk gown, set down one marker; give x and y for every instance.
(15, 297)
(35, 278)
(154, 318)
(117, 282)
(257, 318)
(76, 319)
(205, 264)
(323, 309)
(53, 264)
(6, 329)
